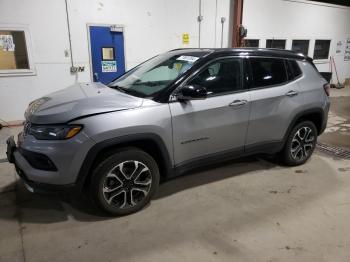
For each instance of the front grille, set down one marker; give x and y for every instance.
(334, 150)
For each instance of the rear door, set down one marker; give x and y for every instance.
(274, 101)
(216, 124)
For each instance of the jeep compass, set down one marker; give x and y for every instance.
(174, 112)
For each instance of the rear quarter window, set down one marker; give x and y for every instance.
(268, 71)
(296, 69)
(293, 69)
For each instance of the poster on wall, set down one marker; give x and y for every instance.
(6, 43)
(347, 50)
(109, 66)
(339, 47)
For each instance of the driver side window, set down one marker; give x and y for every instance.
(220, 77)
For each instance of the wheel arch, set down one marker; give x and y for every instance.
(314, 115)
(150, 143)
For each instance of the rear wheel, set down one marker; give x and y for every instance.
(300, 144)
(124, 182)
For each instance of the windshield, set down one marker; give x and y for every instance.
(152, 76)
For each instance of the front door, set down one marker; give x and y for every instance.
(107, 53)
(217, 124)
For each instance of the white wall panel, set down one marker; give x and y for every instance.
(283, 19)
(151, 27)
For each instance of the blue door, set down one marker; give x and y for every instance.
(107, 53)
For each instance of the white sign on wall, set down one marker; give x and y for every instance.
(109, 66)
(339, 47)
(347, 50)
(116, 28)
(6, 43)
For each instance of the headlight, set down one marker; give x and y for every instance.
(54, 132)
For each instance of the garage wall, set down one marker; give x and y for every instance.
(283, 19)
(151, 27)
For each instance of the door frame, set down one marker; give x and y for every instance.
(88, 25)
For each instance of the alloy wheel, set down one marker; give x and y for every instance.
(302, 143)
(127, 184)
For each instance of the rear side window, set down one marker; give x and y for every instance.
(293, 69)
(289, 69)
(296, 69)
(268, 71)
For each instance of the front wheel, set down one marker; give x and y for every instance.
(300, 144)
(124, 182)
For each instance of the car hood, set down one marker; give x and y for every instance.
(77, 101)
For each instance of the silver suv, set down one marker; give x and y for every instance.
(176, 111)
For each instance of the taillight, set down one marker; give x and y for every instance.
(327, 89)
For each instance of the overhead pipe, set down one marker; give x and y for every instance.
(216, 16)
(223, 19)
(199, 19)
(69, 35)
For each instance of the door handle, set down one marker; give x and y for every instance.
(238, 103)
(291, 93)
(96, 77)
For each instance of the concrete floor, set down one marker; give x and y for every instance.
(338, 131)
(247, 210)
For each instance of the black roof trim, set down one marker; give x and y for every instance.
(249, 51)
(334, 2)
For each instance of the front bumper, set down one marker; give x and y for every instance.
(21, 164)
(67, 156)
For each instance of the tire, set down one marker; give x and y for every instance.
(124, 183)
(300, 144)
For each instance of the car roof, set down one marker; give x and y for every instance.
(244, 51)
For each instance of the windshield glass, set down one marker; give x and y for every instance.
(151, 77)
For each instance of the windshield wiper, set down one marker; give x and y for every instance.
(128, 91)
(119, 88)
(149, 83)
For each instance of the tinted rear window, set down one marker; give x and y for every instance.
(296, 68)
(268, 71)
(290, 72)
(293, 69)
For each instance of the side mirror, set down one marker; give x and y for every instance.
(192, 92)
